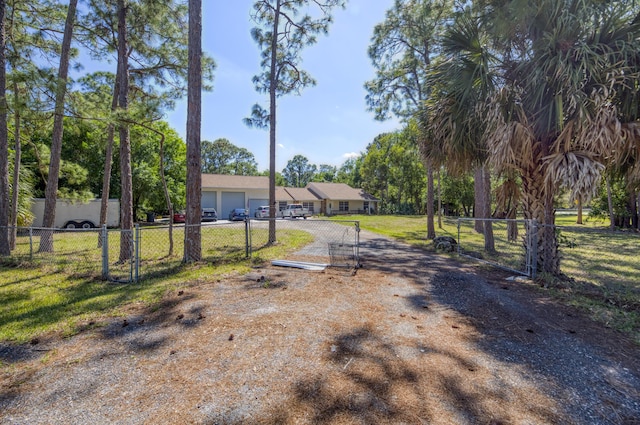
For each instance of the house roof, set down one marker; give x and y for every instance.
(313, 191)
(227, 181)
(301, 194)
(339, 191)
(282, 194)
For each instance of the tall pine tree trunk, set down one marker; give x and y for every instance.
(4, 143)
(167, 197)
(13, 235)
(126, 185)
(108, 156)
(51, 192)
(192, 233)
(272, 127)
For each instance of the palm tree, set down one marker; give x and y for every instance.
(556, 120)
(462, 78)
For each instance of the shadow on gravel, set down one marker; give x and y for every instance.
(553, 347)
(519, 331)
(362, 388)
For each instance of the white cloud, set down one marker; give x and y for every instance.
(350, 155)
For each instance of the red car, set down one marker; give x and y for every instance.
(179, 217)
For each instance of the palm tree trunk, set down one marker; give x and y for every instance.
(538, 205)
(51, 192)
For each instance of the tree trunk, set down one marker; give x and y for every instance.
(638, 210)
(4, 143)
(478, 194)
(538, 205)
(439, 199)
(51, 192)
(489, 241)
(612, 217)
(192, 233)
(13, 235)
(126, 185)
(579, 219)
(431, 231)
(108, 156)
(272, 126)
(167, 197)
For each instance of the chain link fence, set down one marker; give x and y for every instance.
(510, 244)
(602, 258)
(144, 252)
(596, 256)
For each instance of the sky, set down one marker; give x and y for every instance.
(327, 123)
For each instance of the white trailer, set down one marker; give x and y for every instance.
(78, 215)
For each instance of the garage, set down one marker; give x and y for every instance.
(255, 203)
(230, 200)
(209, 199)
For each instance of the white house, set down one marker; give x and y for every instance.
(340, 198)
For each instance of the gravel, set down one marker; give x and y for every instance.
(411, 338)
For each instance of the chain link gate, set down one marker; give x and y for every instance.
(120, 254)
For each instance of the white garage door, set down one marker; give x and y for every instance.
(209, 200)
(230, 200)
(255, 203)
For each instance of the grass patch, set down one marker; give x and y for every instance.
(62, 293)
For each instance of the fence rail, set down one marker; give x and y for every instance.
(146, 251)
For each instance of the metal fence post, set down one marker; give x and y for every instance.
(357, 243)
(136, 244)
(30, 243)
(105, 252)
(246, 237)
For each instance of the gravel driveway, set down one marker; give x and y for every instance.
(411, 338)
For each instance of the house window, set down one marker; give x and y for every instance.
(344, 206)
(308, 205)
(365, 206)
(282, 205)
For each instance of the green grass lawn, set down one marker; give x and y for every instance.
(65, 295)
